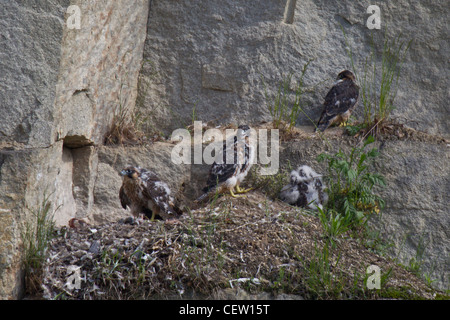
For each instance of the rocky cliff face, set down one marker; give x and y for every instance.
(60, 88)
(200, 54)
(30, 58)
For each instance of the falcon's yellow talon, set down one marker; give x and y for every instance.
(235, 195)
(239, 190)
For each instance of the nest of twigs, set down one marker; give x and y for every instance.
(252, 243)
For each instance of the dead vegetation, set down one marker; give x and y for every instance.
(394, 129)
(123, 131)
(252, 244)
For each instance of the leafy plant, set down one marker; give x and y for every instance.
(278, 106)
(111, 261)
(321, 277)
(334, 224)
(416, 262)
(296, 107)
(351, 196)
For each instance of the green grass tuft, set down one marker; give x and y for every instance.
(378, 79)
(35, 239)
(283, 111)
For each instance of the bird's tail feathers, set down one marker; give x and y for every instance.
(208, 193)
(322, 125)
(202, 198)
(176, 209)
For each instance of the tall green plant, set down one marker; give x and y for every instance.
(280, 107)
(297, 106)
(334, 224)
(279, 104)
(379, 77)
(379, 83)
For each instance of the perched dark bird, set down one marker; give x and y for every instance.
(340, 101)
(305, 189)
(143, 192)
(225, 177)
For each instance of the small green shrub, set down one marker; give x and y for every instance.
(278, 106)
(321, 277)
(333, 223)
(351, 197)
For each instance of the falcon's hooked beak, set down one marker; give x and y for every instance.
(128, 172)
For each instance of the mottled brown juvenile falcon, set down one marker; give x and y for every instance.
(340, 101)
(143, 192)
